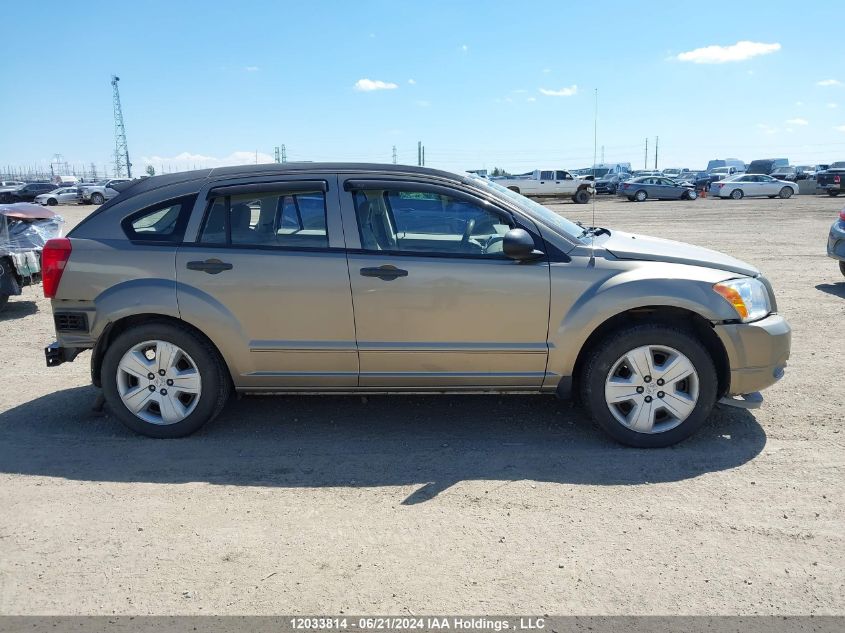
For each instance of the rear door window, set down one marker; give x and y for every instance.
(293, 219)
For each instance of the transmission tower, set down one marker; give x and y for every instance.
(284, 153)
(121, 150)
(394, 154)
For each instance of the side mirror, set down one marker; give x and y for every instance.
(519, 245)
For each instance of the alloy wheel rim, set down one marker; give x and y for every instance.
(651, 389)
(159, 382)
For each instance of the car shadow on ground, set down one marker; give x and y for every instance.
(18, 309)
(837, 290)
(352, 441)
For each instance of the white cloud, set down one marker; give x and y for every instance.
(464, 48)
(832, 105)
(797, 121)
(563, 92)
(829, 82)
(251, 69)
(187, 160)
(734, 53)
(531, 99)
(412, 81)
(368, 85)
(840, 128)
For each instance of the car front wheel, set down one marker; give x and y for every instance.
(582, 196)
(163, 380)
(97, 198)
(649, 386)
(786, 192)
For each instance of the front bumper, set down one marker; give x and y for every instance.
(757, 352)
(836, 241)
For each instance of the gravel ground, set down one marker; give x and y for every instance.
(441, 504)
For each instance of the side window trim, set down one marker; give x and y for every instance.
(175, 237)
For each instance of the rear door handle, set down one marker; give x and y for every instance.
(387, 272)
(210, 266)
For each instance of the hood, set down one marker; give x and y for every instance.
(644, 248)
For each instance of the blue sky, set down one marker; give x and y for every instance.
(210, 83)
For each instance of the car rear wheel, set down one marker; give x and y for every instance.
(163, 380)
(737, 194)
(841, 270)
(832, 193)
(641, 196)
(52, 202)
(97, 198)
(650, 385)
(786, 192)
(582, 196)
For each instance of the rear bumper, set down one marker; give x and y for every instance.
(757, 352)
(55, 355)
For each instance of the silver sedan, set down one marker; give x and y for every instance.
(62, 195)
(742, 185)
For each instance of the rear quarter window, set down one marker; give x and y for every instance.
(164, 222)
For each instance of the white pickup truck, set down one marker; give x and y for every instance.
(550, 182)
(98, 192)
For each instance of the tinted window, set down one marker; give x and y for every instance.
(562, 175)
(547, 175)
(284, 219)
(163, 222)
(427, 223)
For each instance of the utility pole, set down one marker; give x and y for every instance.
(121, 150)
(645, 160)
(419, 153)
(394, 154)
(423, 156)
(656, 142)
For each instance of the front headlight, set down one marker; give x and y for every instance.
(748, 296)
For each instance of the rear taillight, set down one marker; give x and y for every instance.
(54, 258)
(836, 179)
(842, 215)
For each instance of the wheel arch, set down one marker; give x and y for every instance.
(118, 327)
(661, 314)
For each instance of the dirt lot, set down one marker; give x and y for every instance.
(464, 504)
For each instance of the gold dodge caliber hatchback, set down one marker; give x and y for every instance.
(384, 278)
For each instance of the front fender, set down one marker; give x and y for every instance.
(584, 295)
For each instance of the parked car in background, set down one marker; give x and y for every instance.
(191, 285)
(785, 173)
(550, 182)
(10, 183)
(675, 172)
(25, 193)
(836, 241)
(766, 166)
(738, 165)
(719, 173)
(656, 187)
(610, 182)
(699, 179)
(743, 185)
(832, 178)
(99, 192)
(646, 172)
(62, 195)
(808, 172)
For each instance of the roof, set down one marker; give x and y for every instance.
(141, 185)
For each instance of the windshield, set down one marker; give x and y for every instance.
(721, 170)
(598, 173)
(548, 216)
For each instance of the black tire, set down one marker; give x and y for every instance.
(737, 194)
(603, 357)
(582, 196)
(641, 196)
(689, 195)
(630, 198)
(514, 189)
(216, 382)
(841, 270)
(97, 198)
(4, 299)
(52, 202)
(832, 193)
(772, 196)
(785, 193)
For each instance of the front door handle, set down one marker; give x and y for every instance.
(387, 272)
(210, 266)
